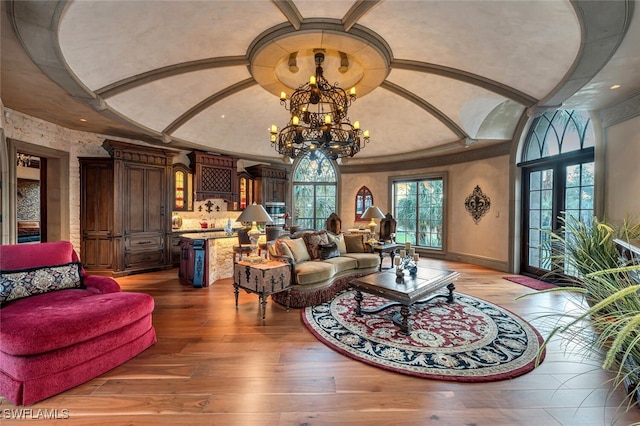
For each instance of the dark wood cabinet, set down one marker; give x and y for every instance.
(215, 176)
(270, 184)
(182, 188)
(125, 209)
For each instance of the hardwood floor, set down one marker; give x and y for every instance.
(214, 364)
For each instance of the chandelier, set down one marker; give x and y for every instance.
(319, 120)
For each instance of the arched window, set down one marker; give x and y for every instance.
(315, 190)
(557, 180)
(364, 199)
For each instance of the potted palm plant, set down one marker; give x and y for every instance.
(608, 323)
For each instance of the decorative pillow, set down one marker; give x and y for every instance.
(283, 249)
(313, 241)
(327, 251)
(298, 249)
(339, 240)
(29, 282)
(354, 243)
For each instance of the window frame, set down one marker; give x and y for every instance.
(362, 192)
(318, 222)
(442, 176)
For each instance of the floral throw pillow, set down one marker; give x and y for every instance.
(313, 240)
(29, 282)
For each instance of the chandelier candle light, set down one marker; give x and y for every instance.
(319, 120)
(408, 260)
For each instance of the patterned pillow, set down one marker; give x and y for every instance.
(354, 243)
(29, 282)
(313, 241)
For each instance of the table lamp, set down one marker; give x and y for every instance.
(254, 213)
(373, 213)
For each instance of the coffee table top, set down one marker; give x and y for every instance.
(410, 290)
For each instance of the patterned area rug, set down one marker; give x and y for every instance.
(530, 282)
(470, 340)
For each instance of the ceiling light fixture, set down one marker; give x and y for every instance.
(319, 120)
(615, 86)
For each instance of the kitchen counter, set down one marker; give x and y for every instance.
(206, 257)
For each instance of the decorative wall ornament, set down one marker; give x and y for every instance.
(477, 204)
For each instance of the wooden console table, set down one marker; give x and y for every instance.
(263, 279)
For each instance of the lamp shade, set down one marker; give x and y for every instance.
(255, 213)
(372, 212)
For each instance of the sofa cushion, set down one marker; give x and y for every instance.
(313, 240)
(343, 263)
(63, 318)
(313, 271)
(298, 249)
(354, 243)
(365, 260)
(29, 282)
(328, 251)
(339, 240)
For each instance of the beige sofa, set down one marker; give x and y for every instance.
(322, 264)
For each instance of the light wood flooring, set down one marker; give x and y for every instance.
(214, 364)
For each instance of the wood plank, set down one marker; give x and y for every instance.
(214, 364)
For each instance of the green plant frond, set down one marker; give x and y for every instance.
(620, 294)
(621, 337)
(580, 290)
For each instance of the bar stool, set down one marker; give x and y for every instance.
(244, 245)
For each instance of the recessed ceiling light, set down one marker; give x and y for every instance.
(84, 120)
(615, 86)
(222, 116)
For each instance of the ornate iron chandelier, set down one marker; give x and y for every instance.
(319, 120)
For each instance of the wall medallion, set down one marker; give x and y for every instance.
(477, 204)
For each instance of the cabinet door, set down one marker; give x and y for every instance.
(144, 202)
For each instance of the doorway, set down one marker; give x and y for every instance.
(31, 206)
(37, 198)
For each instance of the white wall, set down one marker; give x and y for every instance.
(622, 170)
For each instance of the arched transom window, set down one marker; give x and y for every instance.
(315, 190)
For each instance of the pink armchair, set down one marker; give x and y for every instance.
(56, 340)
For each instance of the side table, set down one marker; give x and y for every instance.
(263, 279)
(389, 248)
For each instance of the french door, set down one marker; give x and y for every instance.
(563, 188)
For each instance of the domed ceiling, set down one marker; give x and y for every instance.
(432, 77)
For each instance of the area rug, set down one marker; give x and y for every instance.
(530, 282)
(470, 340)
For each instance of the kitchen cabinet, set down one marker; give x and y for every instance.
(270, 184)
(245, 190)
(182, 188)
(215, 176)
(125, 209)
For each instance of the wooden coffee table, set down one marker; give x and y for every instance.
(403, 292)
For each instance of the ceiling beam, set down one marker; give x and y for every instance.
(357, 11)
(168, 71)
(216, 97)
(290, 11)
(412, 97)
(467, 77)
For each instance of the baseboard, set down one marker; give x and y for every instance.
(498, 265)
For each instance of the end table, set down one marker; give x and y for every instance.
(263, 279)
